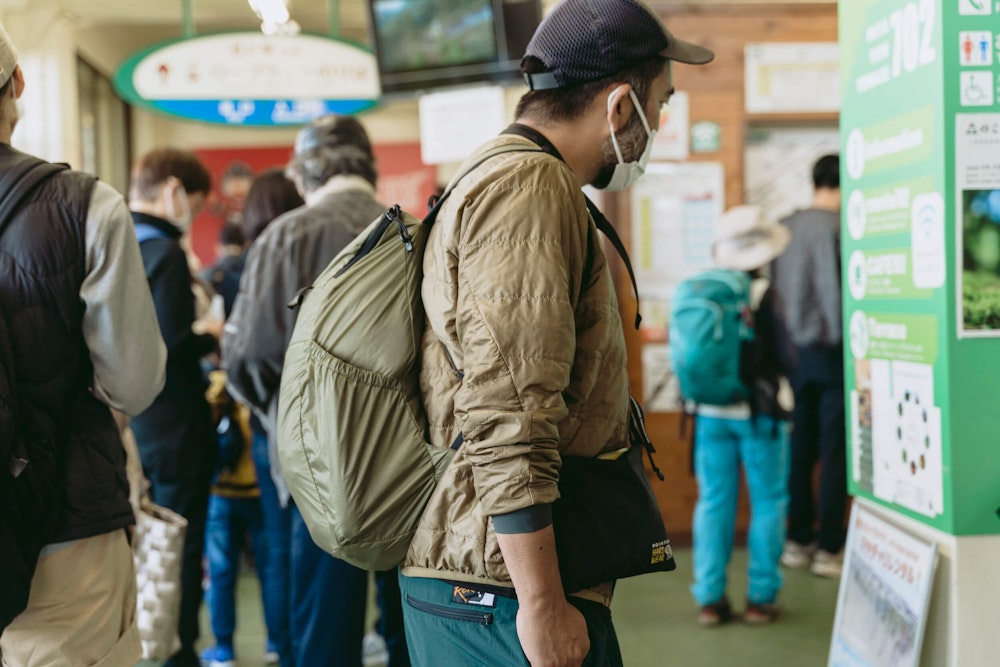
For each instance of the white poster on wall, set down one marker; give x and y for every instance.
(792, 77)
(673, 140)
(454, 123)
(674, 211)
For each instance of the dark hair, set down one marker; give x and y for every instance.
(160, 164)
(826, 172)
(315, 167)
(231, 235)
(237, 169)
(270, 195)
(565, 104)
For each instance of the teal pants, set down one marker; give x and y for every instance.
(442, 629)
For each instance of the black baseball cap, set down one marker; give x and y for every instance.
(332, 131)
(586, 40)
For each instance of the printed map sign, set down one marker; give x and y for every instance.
(248, 78)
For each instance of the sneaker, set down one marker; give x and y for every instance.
(218, 656)
(374, 650)
(826, 564)
(714, 614)
(761, 613)
(797, 556)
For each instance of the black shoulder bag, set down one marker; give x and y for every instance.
(607, 520)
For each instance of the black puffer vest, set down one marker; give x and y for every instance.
(42, 266)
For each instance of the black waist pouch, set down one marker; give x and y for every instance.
(607, 522)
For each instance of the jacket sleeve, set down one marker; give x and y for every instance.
(119, 320)
(519, 255)
(256, 334)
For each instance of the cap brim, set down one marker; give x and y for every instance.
(686, 52)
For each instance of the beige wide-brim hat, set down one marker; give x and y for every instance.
(745, 241)
(8, 56)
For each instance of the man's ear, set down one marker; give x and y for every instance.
(18, 78)
(620, 106)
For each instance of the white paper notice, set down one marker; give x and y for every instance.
(906, 436)
(674, 211)
(660, 389)
(455, 123)
(793, 77)
(673, 140)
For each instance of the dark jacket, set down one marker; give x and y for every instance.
(175, 435)
(768, 358)
(288, 256)
(45, 263)
(224, 277)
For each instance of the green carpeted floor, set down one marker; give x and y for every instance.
(655, 617)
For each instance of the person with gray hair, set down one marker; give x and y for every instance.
(79, 336)
(334, 168)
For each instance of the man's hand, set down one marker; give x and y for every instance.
(554, 636)
(552, 632)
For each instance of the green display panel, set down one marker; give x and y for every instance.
(920, 176)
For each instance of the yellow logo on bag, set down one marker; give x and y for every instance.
(661, 551)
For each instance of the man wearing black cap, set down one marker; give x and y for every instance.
(334, 169)
(524, 355)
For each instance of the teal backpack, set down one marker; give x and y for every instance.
(710, 320)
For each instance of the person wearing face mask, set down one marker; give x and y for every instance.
(524, 353)
(175, 435)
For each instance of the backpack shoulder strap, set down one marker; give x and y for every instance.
(481, 158)
(19, 182)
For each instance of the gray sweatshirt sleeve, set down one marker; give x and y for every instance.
(119, 321)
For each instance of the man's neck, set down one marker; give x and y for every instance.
(582, 157)
(827, 199)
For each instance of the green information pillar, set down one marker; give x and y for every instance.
(920, 177)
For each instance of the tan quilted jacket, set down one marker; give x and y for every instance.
(516, 356)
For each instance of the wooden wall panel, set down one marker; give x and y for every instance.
(716, 94)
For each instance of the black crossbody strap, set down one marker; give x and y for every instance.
(609, 231)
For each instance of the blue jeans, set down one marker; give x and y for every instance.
(229, 519)
(442, 631)
(330, 597)
(275, 572)
(721, 445)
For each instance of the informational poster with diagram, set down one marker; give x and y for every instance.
(894, 254)
(884, 595)
(895, 421)
(674, 211)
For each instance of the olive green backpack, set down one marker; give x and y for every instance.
(351, 425)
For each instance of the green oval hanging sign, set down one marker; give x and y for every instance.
(248, 78)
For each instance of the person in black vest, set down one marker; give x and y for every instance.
(175, 435)
(83, 334)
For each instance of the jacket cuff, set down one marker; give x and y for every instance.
(526, 520)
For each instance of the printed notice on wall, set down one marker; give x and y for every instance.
(896, 447)
(977, 176)
(674, 211)
(884, 594)
(792, 77)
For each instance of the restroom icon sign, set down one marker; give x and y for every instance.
(975, 7)
(975, 47)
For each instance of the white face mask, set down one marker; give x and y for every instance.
(180, 219)
(627, 173)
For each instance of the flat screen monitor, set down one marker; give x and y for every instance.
(427, 44)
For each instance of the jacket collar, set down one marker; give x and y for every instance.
(533, 135)
(337, 184)
(157, 223)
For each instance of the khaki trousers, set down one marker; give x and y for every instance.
(81, 610)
